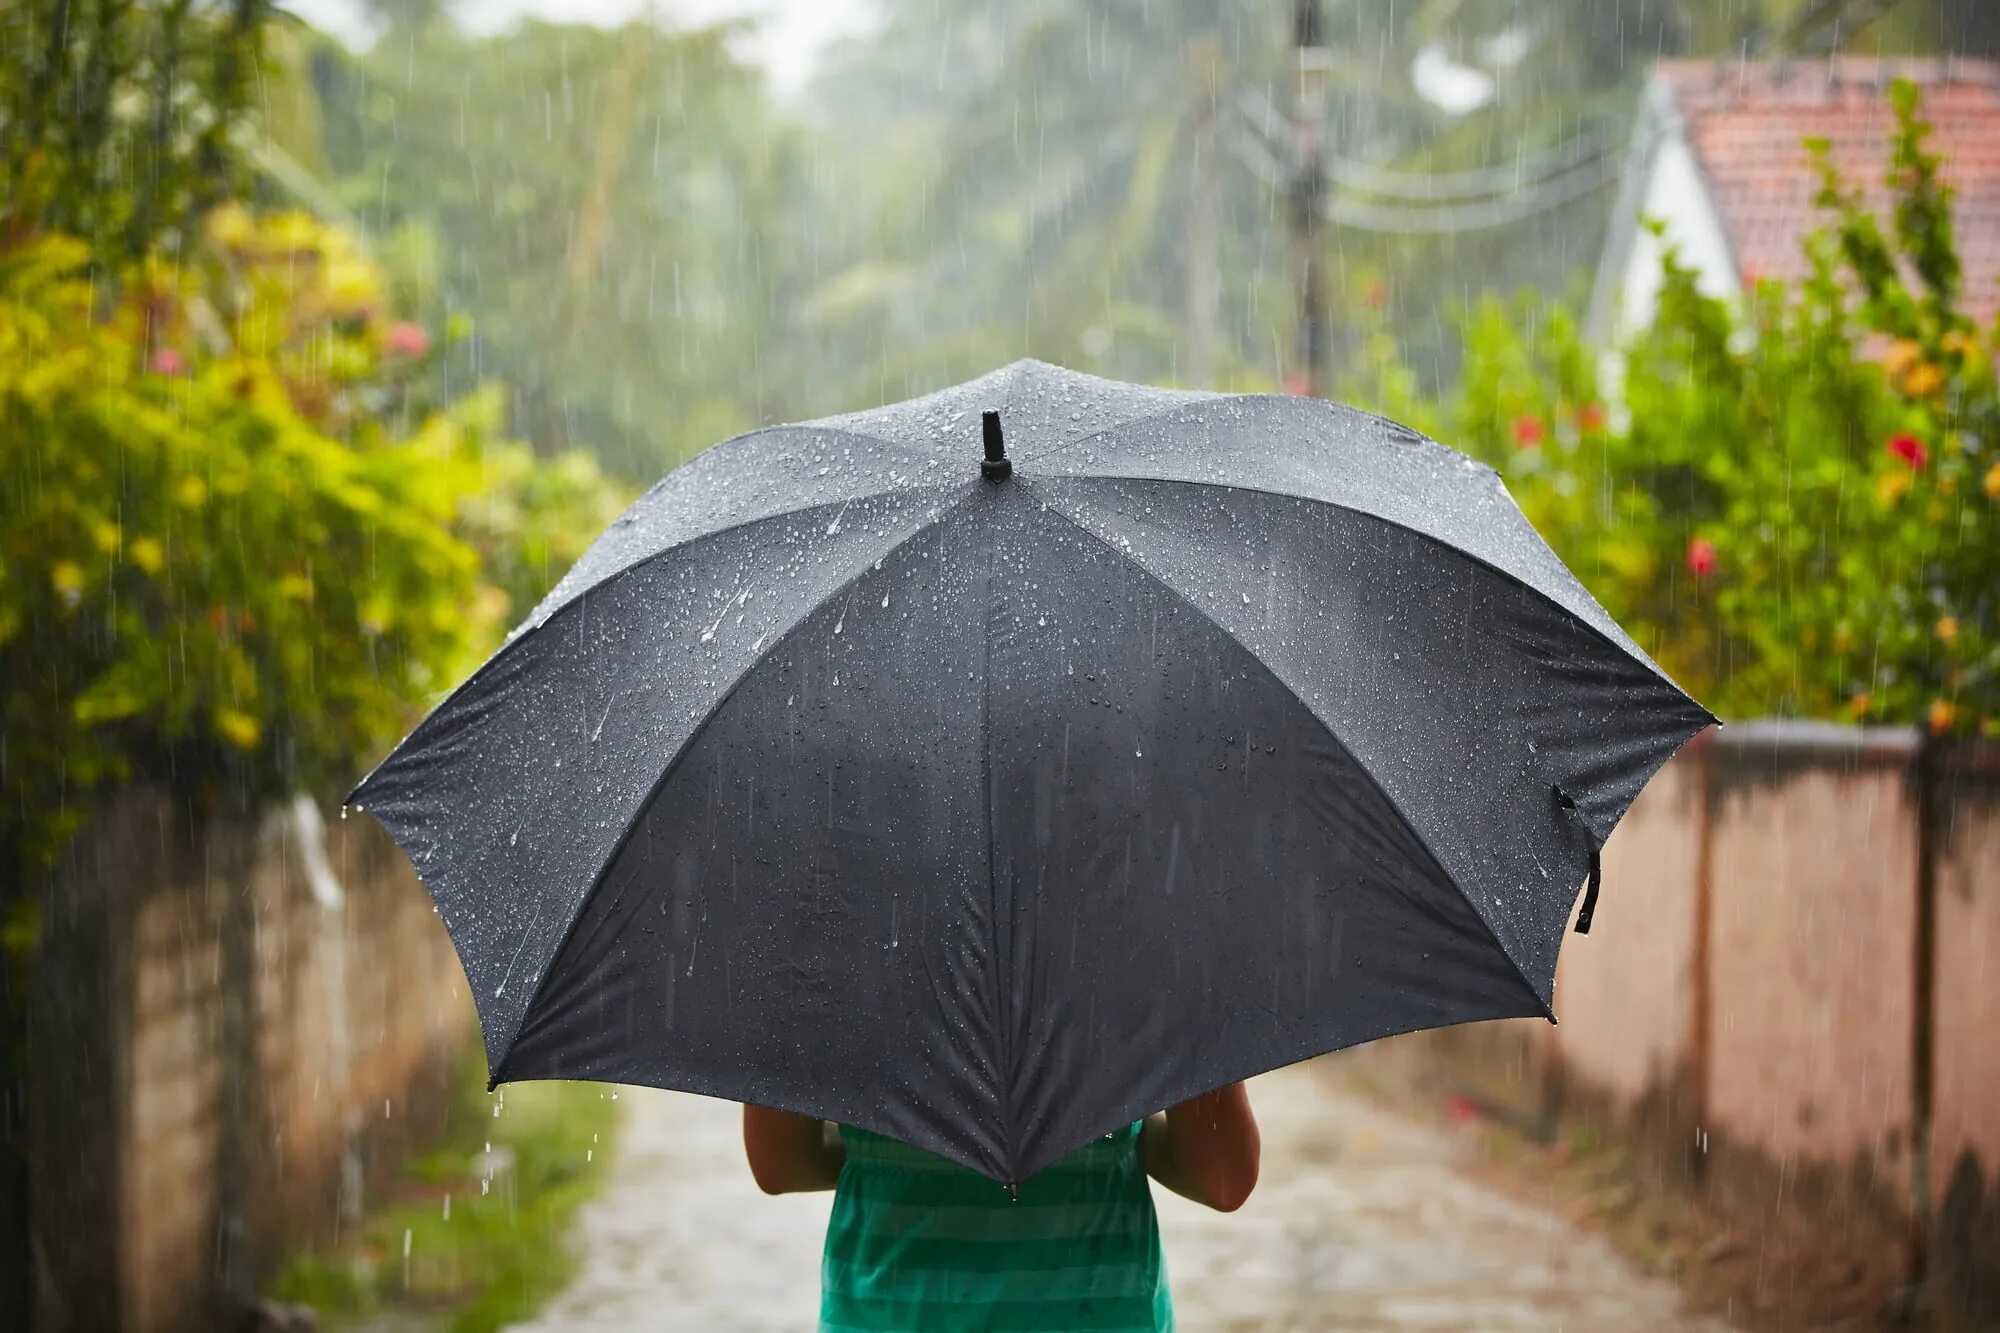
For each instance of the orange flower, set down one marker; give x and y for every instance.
(1891, 487)
(1992, 483)
(1940, 716)
(1922, 380)
(1859, 705)
(1947, 628)
(1901, 356)
(1590, 416)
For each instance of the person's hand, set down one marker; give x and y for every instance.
(1206, 1149)
(791, 1153)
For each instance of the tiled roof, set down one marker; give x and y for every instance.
(1747, 121)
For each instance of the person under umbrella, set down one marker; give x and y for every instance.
(983, 773)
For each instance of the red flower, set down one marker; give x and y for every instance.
(407, 339)
(1376, 294)
(1702, 557)
(167, 361)
(1462, 1109)
(1590, 416)
(1528, 432)
(1909, 449)
(1296, 385)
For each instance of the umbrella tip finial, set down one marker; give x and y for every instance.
(996, 467)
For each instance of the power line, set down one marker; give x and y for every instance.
(1480, 215)
(1525, 173)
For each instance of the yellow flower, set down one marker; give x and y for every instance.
(238, 728)
(1992, 482)
(230, 226)
(1940, 716)
(147, 554)
(296, 586)
(1860, 704)
(1947, 628)
(191, 492)
(1902, 355)
(1922, 380)
(1892, 486)
(1956, 341)
(67, 576)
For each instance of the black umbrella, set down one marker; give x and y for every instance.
(990, 798)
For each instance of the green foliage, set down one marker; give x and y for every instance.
(239, 542)
(1798, 508)
(117, 118)
(614, 207)
(473, 1238)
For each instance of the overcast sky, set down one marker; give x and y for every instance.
(789, 35)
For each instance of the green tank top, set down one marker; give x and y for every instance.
(917, 1244)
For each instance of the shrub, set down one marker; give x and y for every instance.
(239, 545)
(1796, 504)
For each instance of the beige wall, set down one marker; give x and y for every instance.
(1624, 992)
(1761, 968)
(1812, 957)
(247, 1043)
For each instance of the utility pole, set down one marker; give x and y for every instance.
(1305, 197)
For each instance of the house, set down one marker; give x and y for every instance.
(1718, 158)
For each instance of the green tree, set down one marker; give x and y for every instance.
(1058, 182)
(609, 208)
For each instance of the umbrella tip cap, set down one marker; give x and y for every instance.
(996, 466)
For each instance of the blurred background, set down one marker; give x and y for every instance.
(331, 332)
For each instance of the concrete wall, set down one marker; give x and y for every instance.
(1625, 994)
(234, 1025)
(1964, 1146)
(1796, 966)
(1812, 956)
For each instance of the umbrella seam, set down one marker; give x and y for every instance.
(1141, 420)
(1643, 658)
(759, 433)
(1003, 981)
(531, 631)
(1231, 399)
(673, 765)
(1402, 817)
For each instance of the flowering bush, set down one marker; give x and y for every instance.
(238, 544)
(1797, 506)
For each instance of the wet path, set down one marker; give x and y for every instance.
(1360, 1223)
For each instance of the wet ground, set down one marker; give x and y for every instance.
(1362, 1222)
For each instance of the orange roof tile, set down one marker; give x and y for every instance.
(1747, 120)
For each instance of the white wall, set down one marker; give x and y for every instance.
(1675, 196)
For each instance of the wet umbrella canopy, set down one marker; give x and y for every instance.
(991, 769)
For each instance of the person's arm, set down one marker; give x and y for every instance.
(791, 1153)
(1206, 1149)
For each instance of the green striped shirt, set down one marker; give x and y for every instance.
(917, 1244)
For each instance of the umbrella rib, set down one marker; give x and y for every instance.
(686, 747)
(527, 632)
(1402, 817)
(1632, 650)
(759, 433)
(1108, 431)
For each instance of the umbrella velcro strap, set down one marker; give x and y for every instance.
(1596, 882)
(1589, 907)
